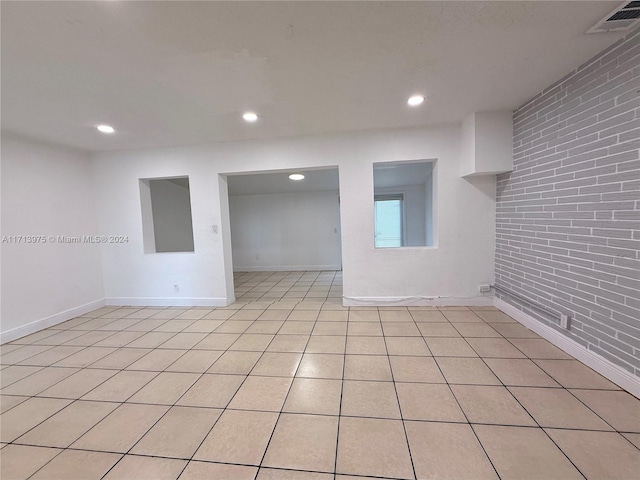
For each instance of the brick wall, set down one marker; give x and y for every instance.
(568, 216)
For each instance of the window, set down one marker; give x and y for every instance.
(388, 221)
(166, 215)
(403, 204)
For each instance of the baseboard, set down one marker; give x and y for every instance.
(417, 301)
(604, 367)
(167, 302)
(286, 268)
(49, 321)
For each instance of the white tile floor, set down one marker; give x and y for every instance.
(288, 384)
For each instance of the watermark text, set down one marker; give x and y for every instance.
(64, 239)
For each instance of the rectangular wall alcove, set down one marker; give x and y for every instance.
(166, 215)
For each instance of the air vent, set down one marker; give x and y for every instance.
(628, 14)
(625, 17)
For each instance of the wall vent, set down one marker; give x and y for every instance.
(625, 17)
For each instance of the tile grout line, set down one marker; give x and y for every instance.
(344, 366)
(475, 434)
(562, 387)
(122, 403)
(16, 442)
(230, 399)
(270, 300)
(528, 413)
(87, 431)
(395, 389)
(275, 425)
(182, 395)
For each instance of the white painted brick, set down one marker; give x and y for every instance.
(568, 235)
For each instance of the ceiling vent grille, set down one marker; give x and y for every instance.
(625, 17)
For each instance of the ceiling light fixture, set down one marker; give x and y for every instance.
(106, 129)
(250, 117)
(415, 100)
(296, 176)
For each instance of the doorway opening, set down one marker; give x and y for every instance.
(285, 235)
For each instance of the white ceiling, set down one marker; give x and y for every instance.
(179, 73)
(278, 182)
(393, 174)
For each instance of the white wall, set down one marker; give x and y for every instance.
(133, 277)
(465, 217)
(48, 191)
(430, 224)
(171, 209)
(288, 231)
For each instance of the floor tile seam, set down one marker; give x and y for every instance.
(37, 394)
(228, 402)
(135, 309)
(82, 347)
(326, 378)
(47, 462)
(343, 365)
(2, 385)
(347, 379)
(153, 348)
(594, 412)
(40, 422)
(504, 386)
(275, 425)
(17, 441)
(465, 416)
(169, 408)
(342, 379)
(395, 389)
(121, 403)
(164, 405)
(531, 416)
(47, 330)
(231, 398)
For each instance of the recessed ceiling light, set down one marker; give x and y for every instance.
(415, 100)
(250, 117)
(106, 129)
(296, 176)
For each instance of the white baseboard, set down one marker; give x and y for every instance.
(417, 301)
(50, 321)
(167, 302)
(604, 367)
(286, 268)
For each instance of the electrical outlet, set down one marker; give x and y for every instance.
(257, 256)
(176, 289)
(564, 321)
(484, 288)
(214, 229)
